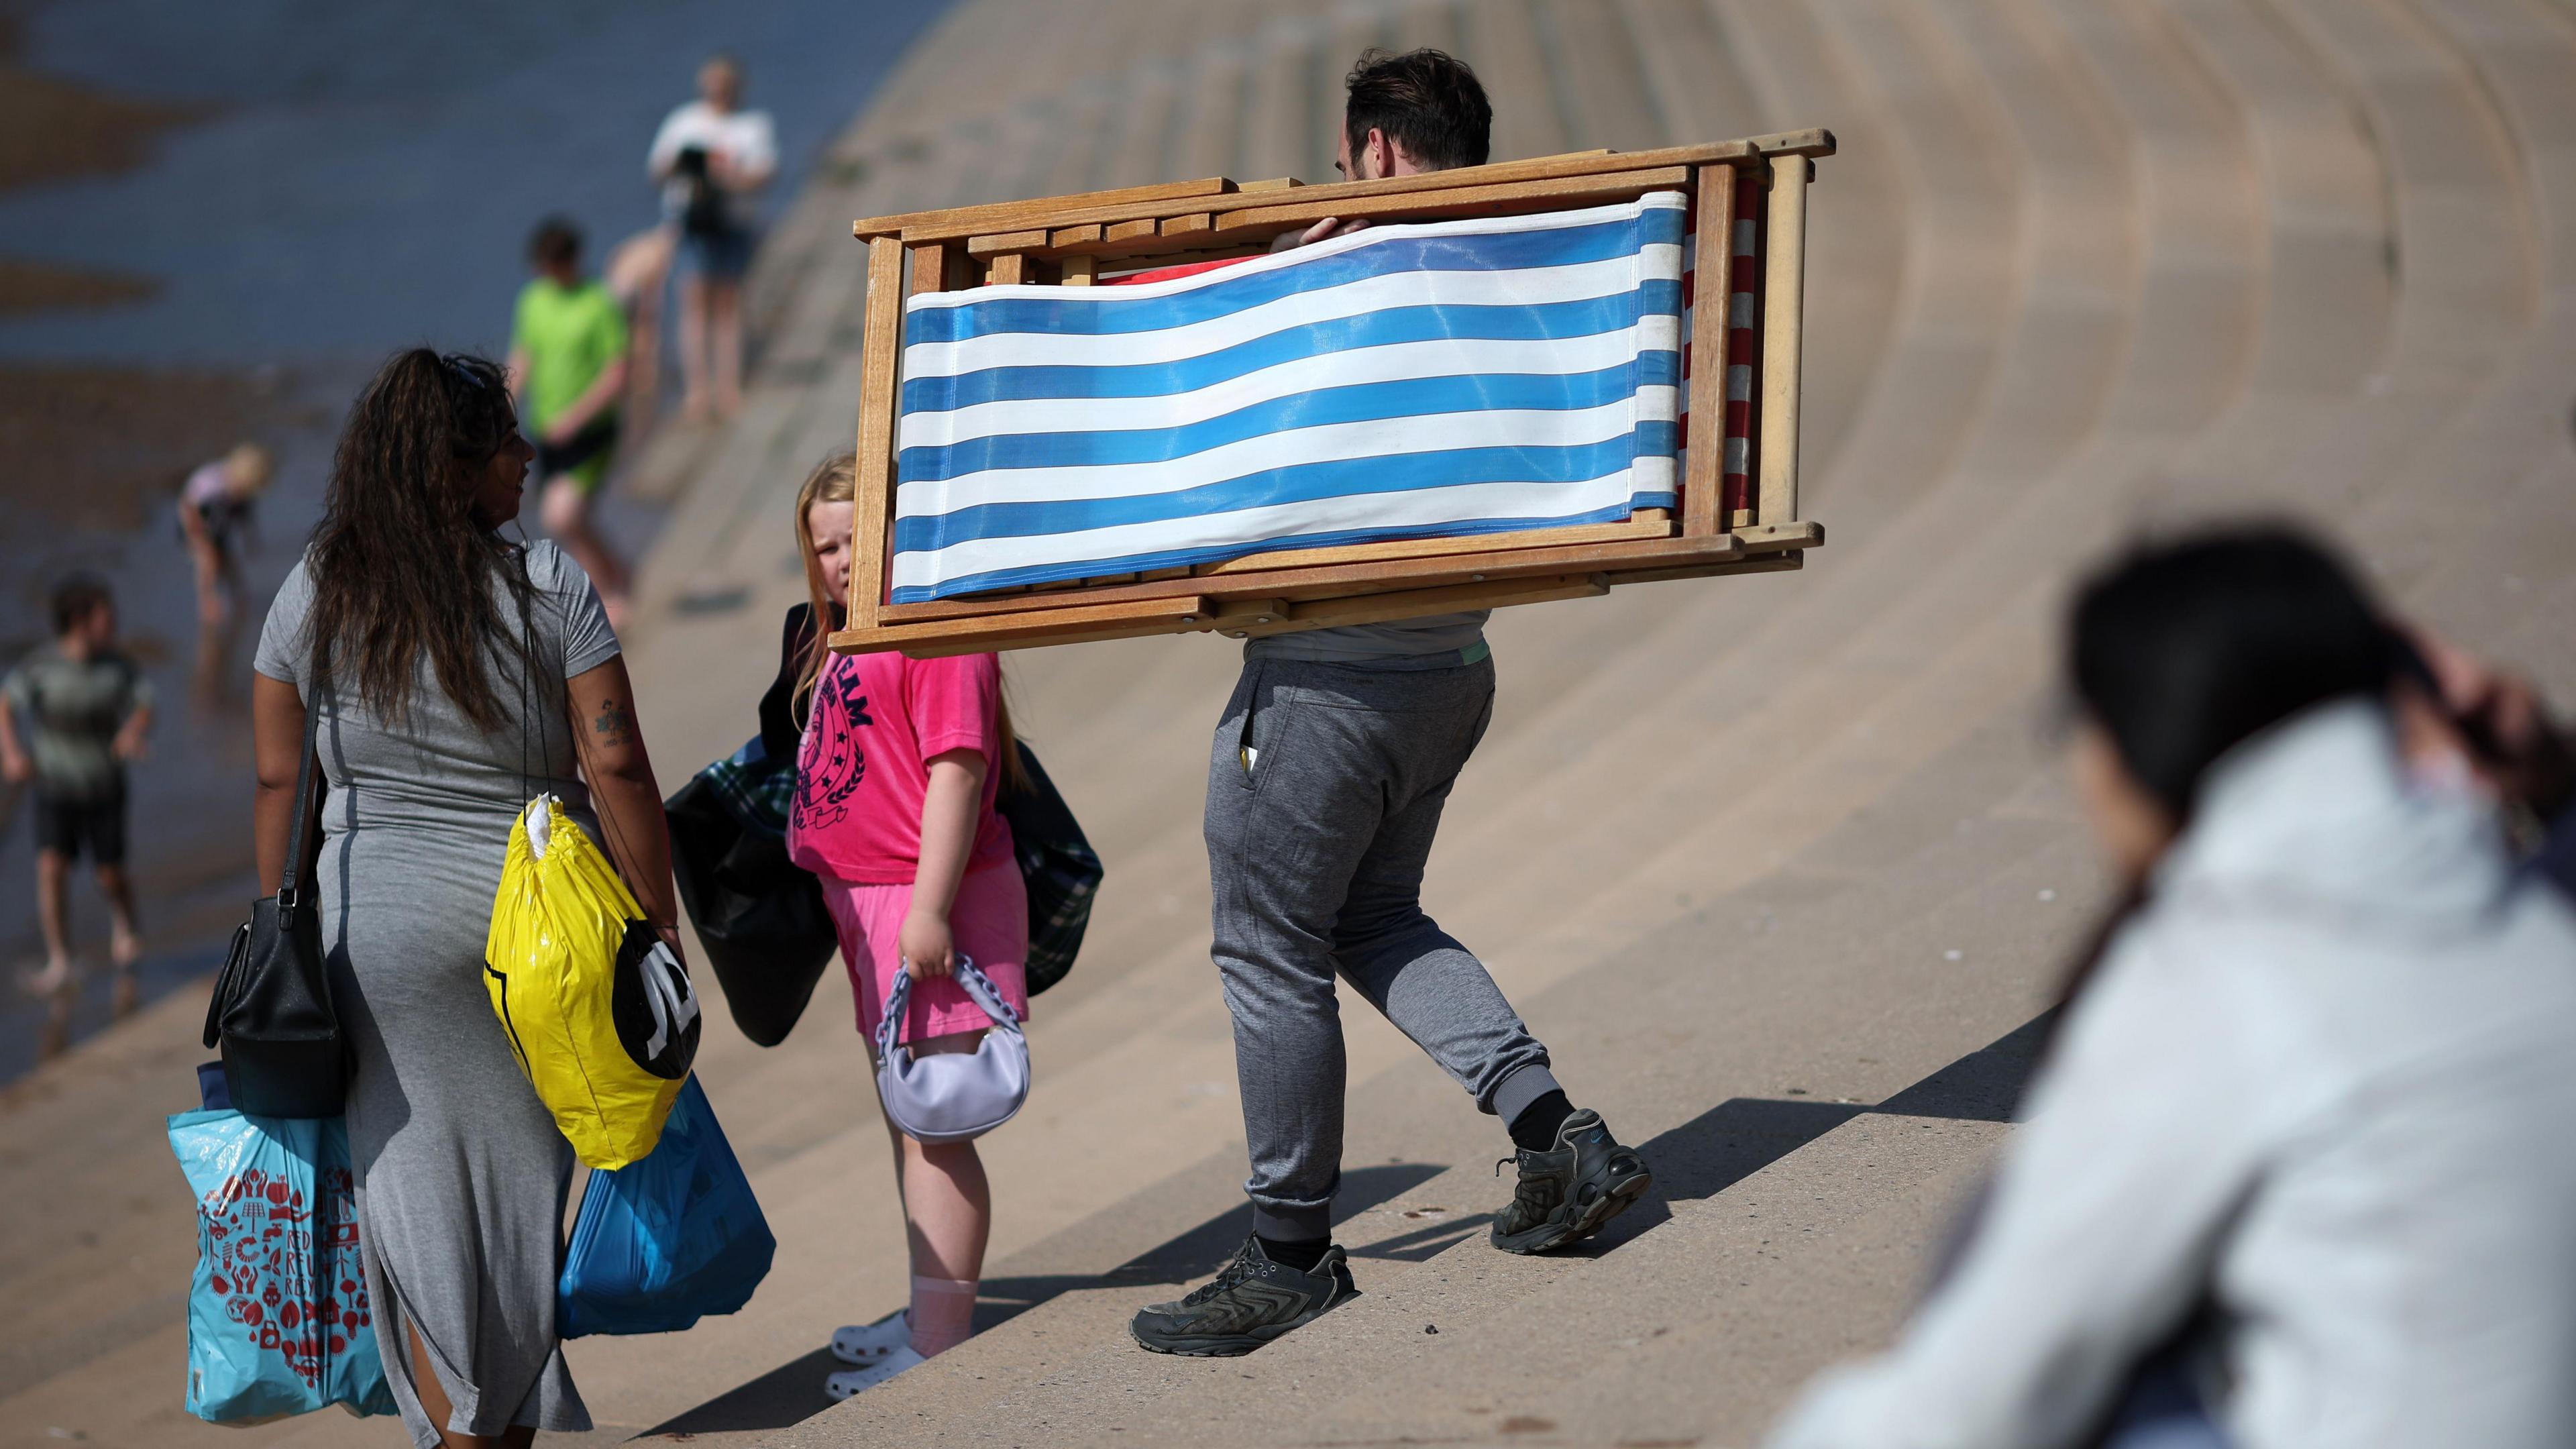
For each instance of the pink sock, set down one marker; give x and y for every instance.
(943, 1314)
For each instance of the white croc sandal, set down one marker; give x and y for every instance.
(857, 1381)
(866, 1343)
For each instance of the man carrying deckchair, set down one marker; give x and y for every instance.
(1325, 787)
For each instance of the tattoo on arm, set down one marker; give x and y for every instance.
(615, 725)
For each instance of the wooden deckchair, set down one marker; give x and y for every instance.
(1738, 508)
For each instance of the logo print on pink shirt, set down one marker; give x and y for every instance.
(833, 764)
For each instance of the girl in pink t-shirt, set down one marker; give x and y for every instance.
(897, 769)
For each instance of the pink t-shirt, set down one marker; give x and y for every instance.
(863, 767)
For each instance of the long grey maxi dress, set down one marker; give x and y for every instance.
(462, 1176)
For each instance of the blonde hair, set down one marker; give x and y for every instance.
(248, 466)
(836, 480)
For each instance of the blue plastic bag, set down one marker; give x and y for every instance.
(663, 1242)
(278, 1320)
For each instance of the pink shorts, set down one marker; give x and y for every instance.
(990, 921)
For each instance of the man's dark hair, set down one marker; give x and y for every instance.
(1426, 101)
(76, 598)
(555, 243)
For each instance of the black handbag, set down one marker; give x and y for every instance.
(1059, 867)
(761, 921)
(271, 1010)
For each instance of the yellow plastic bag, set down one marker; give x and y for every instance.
(596, 1006)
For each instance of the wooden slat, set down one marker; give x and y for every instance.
(874, 521)
(1008, 270)
(1350, 610)
(930, 267)
(1183, 611)
(1126, 232)
(1497, 200)
(1645, 523)
(1773, 537)
(1004, 643)
(1711, 261)
(996, 244)
(1080, 211)
(1276, 183)
(1361, 577)
(1074, 236)
(1194, 224)
(1414, 603)
(1769, 563)
(965, 221)
(1784, 253)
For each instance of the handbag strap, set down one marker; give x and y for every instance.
(289, 893)
(289, 887)
(969, 975)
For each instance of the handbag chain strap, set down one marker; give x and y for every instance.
(969, 975)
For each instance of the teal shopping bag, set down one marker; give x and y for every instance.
(662, 1242)
(278, 1319)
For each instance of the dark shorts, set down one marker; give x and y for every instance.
(583, 457)
(74, 828)
(723, 255)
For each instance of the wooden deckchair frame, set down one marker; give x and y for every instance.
(1074, 240)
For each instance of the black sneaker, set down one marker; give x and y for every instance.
(1252, 1301)
(1566, 1194)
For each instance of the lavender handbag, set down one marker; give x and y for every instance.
(951, 1096)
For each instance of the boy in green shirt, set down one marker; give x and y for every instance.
(568, 368)
(88, 708)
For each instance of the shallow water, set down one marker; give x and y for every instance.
(365, 180)
(373, 168)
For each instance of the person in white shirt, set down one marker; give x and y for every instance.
(713, 159)
(2303, 1130)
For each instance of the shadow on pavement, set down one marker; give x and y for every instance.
(1742, 1135)
(793, 1392)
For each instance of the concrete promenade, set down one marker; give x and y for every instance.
(1781, 867)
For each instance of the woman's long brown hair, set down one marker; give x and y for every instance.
(400, 566)
(835, 480)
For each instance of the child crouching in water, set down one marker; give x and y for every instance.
(898, 766)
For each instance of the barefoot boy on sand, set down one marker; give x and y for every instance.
(1325, 788)
(88, 708)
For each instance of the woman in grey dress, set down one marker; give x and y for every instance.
(456, 674)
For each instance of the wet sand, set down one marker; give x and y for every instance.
(95, 457)
(52, 129)
(56, 130)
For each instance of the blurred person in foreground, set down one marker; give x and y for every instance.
(215, 510)
(89, 710)
(2508, 738)
(2301, 1136)
(712, 159)
(568, 373)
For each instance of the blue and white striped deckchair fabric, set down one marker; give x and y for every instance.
(1453, 378)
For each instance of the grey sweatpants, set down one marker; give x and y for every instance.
(1324, 792)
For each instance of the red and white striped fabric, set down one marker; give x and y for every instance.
(1743, 310)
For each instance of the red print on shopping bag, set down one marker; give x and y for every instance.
(293, 1282)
